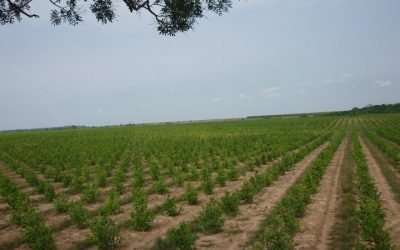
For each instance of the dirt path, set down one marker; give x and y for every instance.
(237, 230)
(320, 215)
(391, 207)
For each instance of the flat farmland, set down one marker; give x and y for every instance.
(324, 182)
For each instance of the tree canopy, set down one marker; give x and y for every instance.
(171, 16)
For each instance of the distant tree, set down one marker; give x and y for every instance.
(171, 16)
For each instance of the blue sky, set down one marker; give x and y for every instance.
(263, 57)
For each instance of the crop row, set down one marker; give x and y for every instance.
(42, 186)
(388, 149)
(84, 161)
(58, 153)
(210, 219)
(370, 214)
(142, 217)
(282, 223)
(35, 233)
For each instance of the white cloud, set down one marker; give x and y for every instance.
(100, 110)
(271, 92)
(242, 96)
(305, 83)
(383, 83)
(344, 77)
(302, 91)
(217, 99)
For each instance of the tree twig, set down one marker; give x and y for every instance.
(20, 9)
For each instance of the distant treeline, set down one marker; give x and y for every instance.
(370, 109)
(40, 129)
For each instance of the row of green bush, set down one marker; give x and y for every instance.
(280, 225)
(211, 220)
(35, 233)
(42, 186)
(370, 214)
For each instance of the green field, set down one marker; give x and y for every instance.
(249, 183)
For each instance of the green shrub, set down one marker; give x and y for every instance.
(205, 173)
(118, 180)
(66, 178)
(170, 207)
(39, 237)
(159, 186)
(104, 233)
(191, 194)
(101, 178)
(222, 177)
(208, 185)
(46, 189)
(154, 170)
(86, 172)
(141, 217)
(178, 178)
(233, 173)
(230, 203)
(193, 173)
(76, 183)
(249, 166)
(247, 192)
(182, 238)
(61, 203)
(90, 193)
(138, 178)
(210, 218)
(112, 203)
(78, 213)
(264, 158)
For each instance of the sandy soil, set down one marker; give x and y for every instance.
(69, 236)
(237, 230)
(8, 230)
(320, 215)
(391, 207)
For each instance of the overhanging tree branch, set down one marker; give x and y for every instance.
(172, 16)
(20, 9)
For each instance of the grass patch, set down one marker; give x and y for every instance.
(346, 229)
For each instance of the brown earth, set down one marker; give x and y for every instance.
(237, 230)
(8, 231)
(68, 237)
(391, 207)
(321, 212)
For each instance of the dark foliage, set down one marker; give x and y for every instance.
(171, 16)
